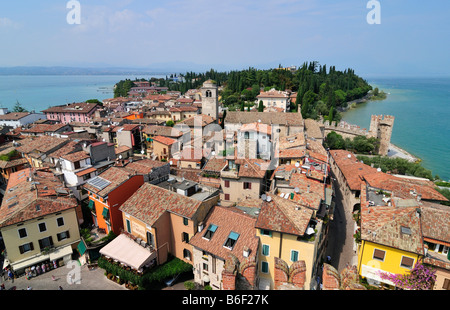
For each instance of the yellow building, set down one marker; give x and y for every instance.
(391, 239)
(287, 231)
(38, 220)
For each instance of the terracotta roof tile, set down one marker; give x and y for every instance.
(228, 220)
(283, 215)
(149, 202)
(164, 140)
(26, 198)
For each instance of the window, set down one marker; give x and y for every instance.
(42, 227)
(77, 165)
(266, 232)
(227, 196)
(128, 226)
(227, 183)
(231, 240)
(63, 235)
(446, 285)
(60, 221)
(265, 250)
(210, 231)
(150, 239)
(246, 135)
(407, 262)
(185, 221)
(247, 185)
(186, 254)
(185, 237)
(23, 233)
(379, 254)
(294, 256)
(46, 242)
(27, 247)
(264, 267)
(205, 267)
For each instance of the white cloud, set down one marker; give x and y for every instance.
(5, 22)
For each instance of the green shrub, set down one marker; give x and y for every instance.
(189, 285)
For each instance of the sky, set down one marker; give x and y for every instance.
(412, 38)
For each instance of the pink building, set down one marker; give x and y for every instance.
(74, 112)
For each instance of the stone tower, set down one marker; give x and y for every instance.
(210, 99)
(381, 128)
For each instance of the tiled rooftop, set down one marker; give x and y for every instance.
(115, 175)
(27, 198)
(228, 220)
(283, 215)
(149, 202)
(41, 144)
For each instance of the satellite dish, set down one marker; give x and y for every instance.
(263, 196)
(297, 165)
(296, 189)
(269, 198)
(171, 163)
(379, 169)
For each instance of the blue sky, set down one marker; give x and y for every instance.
(412, 39)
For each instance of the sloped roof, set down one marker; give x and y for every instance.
(383, 225)
(280, 118)
(284, 215)
(23, 195)
(114, 175)
(228, 220)
(149, 202)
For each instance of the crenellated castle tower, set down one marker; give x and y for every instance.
(381, 128)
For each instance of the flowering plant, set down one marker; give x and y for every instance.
(421, 277)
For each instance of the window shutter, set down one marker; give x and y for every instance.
(68, 235)
(249, 185)
(31, 246)
(21, 249)
(51, 240)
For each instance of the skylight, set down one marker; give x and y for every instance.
(210, 231)
(231, 240)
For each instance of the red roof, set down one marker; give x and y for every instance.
(164, 140)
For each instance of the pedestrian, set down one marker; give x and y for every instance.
(10, 275)
(53, 278)
(60, 288)
(29, 288)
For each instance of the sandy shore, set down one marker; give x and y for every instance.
(395, 151)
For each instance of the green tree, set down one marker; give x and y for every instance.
(18, 107)
(261, 106)
(334, 141)
(308, 103)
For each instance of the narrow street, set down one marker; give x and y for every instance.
(340, 237)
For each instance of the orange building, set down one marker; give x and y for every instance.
(107, 192)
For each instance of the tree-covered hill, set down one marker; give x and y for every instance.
(320, 90)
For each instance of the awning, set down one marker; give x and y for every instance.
(81, 247)
(61, 252)
(128, 252)
(29, 262)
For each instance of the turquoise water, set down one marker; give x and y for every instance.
(40, 92)
(421, 107)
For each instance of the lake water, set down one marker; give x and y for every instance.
(421, 107)
(40, 92)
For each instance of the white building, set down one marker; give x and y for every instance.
(275, 100)
(77, 169)
(18, 119)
